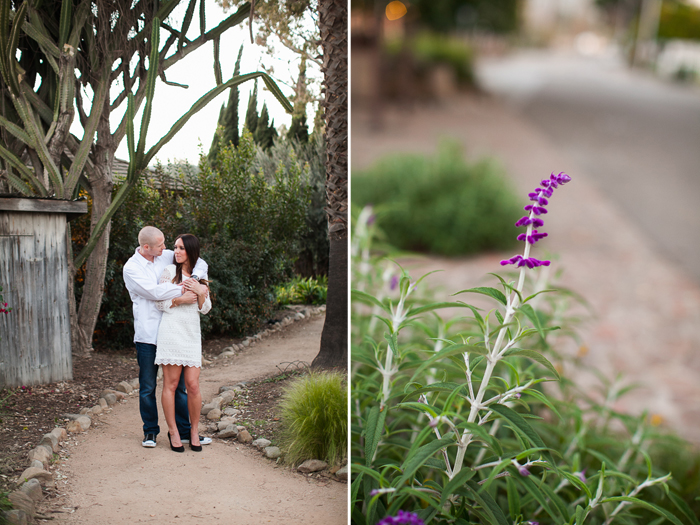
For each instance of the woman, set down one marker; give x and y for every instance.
(179, 346)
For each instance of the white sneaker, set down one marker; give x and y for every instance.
(202, 441)
(149, 441)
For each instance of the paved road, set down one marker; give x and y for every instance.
(636, 136)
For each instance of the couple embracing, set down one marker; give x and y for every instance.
(169, 291)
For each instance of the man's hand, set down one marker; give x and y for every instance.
(185, 298)
(192, 285)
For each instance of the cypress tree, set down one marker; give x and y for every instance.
(251, 115)
(227, 125)
(264, 133)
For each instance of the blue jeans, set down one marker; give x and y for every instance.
(148, 374)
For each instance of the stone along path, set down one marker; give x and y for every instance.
(647, 307)
(109, 478)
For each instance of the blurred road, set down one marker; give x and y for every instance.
(637, 137)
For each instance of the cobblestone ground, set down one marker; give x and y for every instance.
(647, 309)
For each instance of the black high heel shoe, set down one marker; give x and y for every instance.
(181, 448)
(196, 448)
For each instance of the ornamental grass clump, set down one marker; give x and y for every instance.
(314, 418)
(450, 420)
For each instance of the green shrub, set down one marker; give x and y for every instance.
(314, 418)
(440, 204)
(431, 48)
(249, 229)
(303, 291)
(310, 157)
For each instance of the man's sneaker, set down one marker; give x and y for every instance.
(202, 440)
(149, 441)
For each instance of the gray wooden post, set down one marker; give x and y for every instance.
(35, 345)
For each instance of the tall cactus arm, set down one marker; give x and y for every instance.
(150, 91)
(202, 18)
(81, 155)
(186, 24)
(64, 24)
(15, 130)
(18, 183)
(233, 20)
(217, 62)
(9, 68)
(36, 135)
(211, 95)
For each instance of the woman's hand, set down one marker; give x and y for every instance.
(185, 298)
(193, 286)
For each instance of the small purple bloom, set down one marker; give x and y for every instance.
(433, 423)
(402, 518)
(524, 221)
(581, 475)
(394, 282)
(517, 395)
(371, 219)
(374, 492)
(533, 523)
(524, 471)
(537, 223)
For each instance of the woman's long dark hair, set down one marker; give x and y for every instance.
(191, 244)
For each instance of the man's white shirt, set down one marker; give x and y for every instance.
(141, 279)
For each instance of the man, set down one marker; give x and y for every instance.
(141, 275)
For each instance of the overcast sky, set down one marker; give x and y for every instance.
(197, 71)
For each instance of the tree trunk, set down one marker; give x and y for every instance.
(96, 265)
(334, 338)
(333, 18)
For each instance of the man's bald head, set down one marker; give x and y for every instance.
(150, 235)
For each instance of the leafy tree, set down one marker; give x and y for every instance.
(227, 125)
(52, 72)
(333, 26)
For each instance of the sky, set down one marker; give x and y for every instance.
(197, 71)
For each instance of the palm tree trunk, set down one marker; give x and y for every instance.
(333, 23)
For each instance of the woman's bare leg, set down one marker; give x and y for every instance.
(171, 377)
(194, 401)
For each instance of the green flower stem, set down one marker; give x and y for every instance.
(494, 356)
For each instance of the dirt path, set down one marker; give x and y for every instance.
(112, 479)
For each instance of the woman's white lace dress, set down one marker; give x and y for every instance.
(179, 335)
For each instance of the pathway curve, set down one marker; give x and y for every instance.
(112, 479)
(647, 306)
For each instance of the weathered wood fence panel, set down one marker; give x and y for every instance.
(35, 344)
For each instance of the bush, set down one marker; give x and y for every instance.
(309, 156)
(248, 227)
(451, 420)
(314, 419)
(430, 48)
(302, 291)
(440, 204)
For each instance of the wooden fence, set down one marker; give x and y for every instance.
(35, 345)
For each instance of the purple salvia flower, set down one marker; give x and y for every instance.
(394, 282)
(532, 221)
(524, 471)
(402, 518)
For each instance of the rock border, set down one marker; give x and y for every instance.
(37, 475)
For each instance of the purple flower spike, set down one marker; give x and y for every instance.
(537, 223)
(524, 221)
(402, 518)
(394, 282)
(512, 260)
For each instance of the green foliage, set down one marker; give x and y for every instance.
(248, 227)
(440, 204)
(432, 48)
(298, 130)
(679, 21)
(265, 131)
(5, 505)
(314, 418)
(288, 154)
(302, 291)
(450, 418)
(485, 15)
(251, 114)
